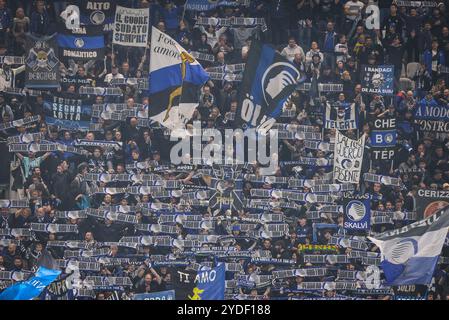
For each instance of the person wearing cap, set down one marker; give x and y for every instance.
(113, 75)
(156, 156)
(314, 67)
(314, 50)
(303, 231)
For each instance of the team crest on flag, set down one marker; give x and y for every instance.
(81, 44)
(409, 254)
(268, 81)
(174, 81)
(357, 214)
(348, 157)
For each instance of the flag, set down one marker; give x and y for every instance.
(207, 284)
(409, 254)
(32, 287)
(42, 63)
(348, 158)
(342, 117)
(357, 213)
(60, 288)
(174, 80)
(81, 44)
(66, 113)
(98, 12)
(46, 260)
(183, 282)
(210, 284)
(131, 27)
(378, 79)
(268, 81)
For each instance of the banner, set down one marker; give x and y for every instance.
(410, 254)
(131, 27)
(383, 139)
(174, 81)
(77, 81)
(162, 295)
(207, 5)
(268, 81)
(416, 4)
(210, 284)
(357, 214)
(41, 63)
(82, 44)
(348, 157)
(410, 292)
(32, 287)
(98, 13)
(432, 117)
(69, 114)
(378, 79)
(183, 282)
(430, 201)
(342, 117)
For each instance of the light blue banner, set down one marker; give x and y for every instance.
(31, 288)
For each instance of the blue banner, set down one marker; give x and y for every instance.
(357, 214)
(32, 287)
(69, 114)
(210, 284)
(385, 138)
(268, 81)
(378, 79)
(84, 43)
(432, 117)
(161, 295)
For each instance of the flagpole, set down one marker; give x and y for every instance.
(184, 11)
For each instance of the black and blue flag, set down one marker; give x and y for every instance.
(81, 44)
(268, 81)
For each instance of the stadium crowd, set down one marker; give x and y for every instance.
(326, 40)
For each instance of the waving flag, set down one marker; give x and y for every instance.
(268, 82)
(410, 254)
(32, 287)
(175, 78)
(210, 284)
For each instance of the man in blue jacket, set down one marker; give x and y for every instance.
(433, 58)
